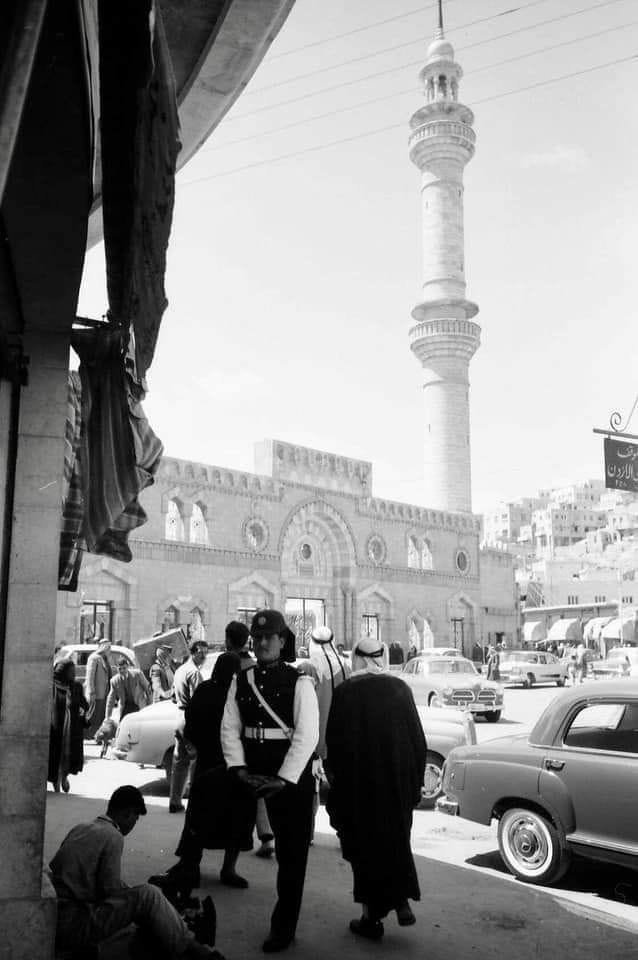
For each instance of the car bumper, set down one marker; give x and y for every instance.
(447, 805)
(474, 707)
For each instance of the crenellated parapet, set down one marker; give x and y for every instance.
(290, 463)
(405, 513)
(190, 475)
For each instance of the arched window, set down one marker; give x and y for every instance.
(199, 527)
(174, 521)
(414, 554)
(427, 562)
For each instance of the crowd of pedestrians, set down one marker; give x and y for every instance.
(260, 740)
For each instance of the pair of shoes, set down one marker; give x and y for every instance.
(176, 808)
(266, 851)
(231, 879)
(405, 917)
(274, 944)
(364, 927)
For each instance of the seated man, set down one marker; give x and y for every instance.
(94, 903)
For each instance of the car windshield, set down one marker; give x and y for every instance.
(453, 665)
(522, 656)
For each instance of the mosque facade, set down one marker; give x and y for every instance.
(304, 533)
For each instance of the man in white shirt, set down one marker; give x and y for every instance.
(269, 733)
(187, 679)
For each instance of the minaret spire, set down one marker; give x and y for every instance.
(440, 30)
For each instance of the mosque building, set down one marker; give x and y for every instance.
(305, 533)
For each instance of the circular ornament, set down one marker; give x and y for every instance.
(462, 561)
(255, 533)
(376, 548)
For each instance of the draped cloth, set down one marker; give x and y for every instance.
(140, 143)
(376, 750)
(113, 451)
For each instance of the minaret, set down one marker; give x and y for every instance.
(444, 338)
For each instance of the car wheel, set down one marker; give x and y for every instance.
(560, 683)
(167, 763)
(432, 786)
(529, 681)
(531, 847)
(492, 716)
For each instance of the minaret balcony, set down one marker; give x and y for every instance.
(445, 336)
(438, 138)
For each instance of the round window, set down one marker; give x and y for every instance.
(462, 561)
(306, 551)
(376, 549)
(255, 534)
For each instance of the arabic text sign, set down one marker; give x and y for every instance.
(621, 465)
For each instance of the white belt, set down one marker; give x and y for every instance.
(265, 733)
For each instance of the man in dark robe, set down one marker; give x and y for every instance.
(377, 754)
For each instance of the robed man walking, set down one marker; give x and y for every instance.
(377, 754)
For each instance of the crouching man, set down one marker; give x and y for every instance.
(94, 903)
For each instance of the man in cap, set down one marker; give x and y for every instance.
(270, 730)
(93, 901)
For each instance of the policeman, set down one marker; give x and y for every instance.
(269, 732)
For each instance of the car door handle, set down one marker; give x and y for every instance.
(554, 764)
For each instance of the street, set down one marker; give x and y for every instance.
(604, 893)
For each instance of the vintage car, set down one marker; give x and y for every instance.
(528, 667)
(79, 653)
(619, 662)
(453, 682)
(568, 787)
(146, 737)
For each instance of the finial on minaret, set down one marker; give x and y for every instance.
(439, 32)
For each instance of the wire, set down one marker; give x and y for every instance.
(396, 126)
(397, 46)
(350, 33)
(400, 93)
(414, 63)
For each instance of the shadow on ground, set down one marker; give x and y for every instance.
(609, 882)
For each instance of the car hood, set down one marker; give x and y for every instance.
(463, 681)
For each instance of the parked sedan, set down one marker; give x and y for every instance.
(619, 662)
(453, 682)
(569, 787)
(528, 667)
(146, 737)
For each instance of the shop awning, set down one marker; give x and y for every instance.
(534, 631)
(565, 630)
(593, 628)
(613, 629)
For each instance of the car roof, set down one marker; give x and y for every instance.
(543, 730)
(94, 646)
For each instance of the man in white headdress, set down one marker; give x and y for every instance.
(330, 671)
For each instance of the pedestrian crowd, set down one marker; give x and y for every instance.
(260, 741)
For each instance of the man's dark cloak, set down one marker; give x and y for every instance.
(376, 758)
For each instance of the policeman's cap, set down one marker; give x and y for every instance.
(266, 623)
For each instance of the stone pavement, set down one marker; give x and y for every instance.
(463, 912)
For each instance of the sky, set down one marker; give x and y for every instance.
(295, 262)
